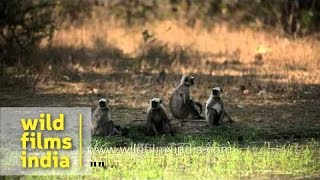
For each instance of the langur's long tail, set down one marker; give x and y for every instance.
(199, 106)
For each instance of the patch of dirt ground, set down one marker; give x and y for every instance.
(275, 108)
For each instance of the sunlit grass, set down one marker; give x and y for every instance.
(203, 162)
(211, 162)
(284, 61)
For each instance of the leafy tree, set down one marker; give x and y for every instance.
(22, 25)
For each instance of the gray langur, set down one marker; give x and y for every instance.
(157, 120)
(214, 110)
(181, 105)
(101, 123)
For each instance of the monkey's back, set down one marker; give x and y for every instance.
(178, 108)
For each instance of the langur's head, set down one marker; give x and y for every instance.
(155, 103)
(187, 80)
(216, 91)
(103, 103)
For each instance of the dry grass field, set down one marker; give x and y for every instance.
(100, 59)
(271, 83)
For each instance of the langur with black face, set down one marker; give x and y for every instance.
(101, 123)
(214, 110)
(157, 120)
(181, 104)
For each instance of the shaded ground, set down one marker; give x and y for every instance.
(282, 113)
(285, 115)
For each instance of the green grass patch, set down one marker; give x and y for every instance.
(223, 153)
(214, 161)
(211, 162)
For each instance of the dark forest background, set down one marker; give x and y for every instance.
(23, 24)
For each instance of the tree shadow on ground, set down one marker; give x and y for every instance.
(284, 113)
(279, 118)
